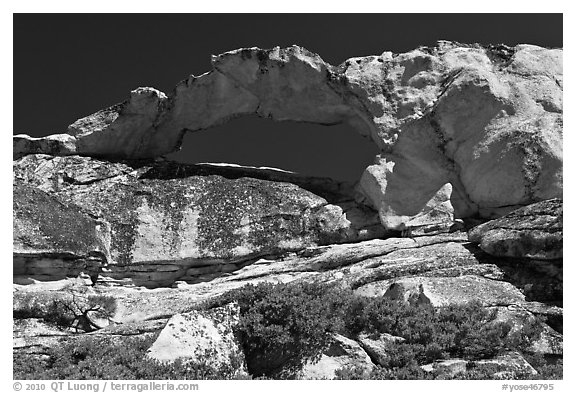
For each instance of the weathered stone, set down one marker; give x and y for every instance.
(135, 328)
(435, 211)
(359, 263)
(549, 341)
(34, 336)
(167, 220)
(28, 327)
(485, 131)
(44, 224)
(56, 145)
(451, 117)
(539, 280)
(54, 266)
(534, 231)
(422, 257)
(510, 365)
(202, 337)
(113, 132)
(446, 368)
(462, 132)
(377, 346)
(54, 174)
(54, 240)
(445, 291)
(506, 366)
(338, 192)
(545, 310)
(343, 353)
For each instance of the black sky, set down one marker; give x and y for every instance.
(67, 66)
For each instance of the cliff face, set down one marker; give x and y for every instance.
(171, 222)
(54, 240)
(466, 133)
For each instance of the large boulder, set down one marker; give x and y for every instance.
(378, 345)
(446, 291)
(534, 232)
(343, 353)
(202, 337)
(548, 342)
(463, 129)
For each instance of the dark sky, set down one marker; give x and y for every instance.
(67, 66)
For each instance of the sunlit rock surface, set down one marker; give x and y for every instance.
(485, 119)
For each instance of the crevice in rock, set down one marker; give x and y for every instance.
(56, 266)
(73, 181)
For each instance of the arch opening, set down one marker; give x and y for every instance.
(337, 151)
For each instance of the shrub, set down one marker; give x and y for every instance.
(468, 331)
(548, 367)
(103, 358)
(409, 372)
(283, 326)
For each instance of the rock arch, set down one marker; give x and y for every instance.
(466, 128)
(280, 84)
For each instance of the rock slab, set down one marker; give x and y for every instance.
(534, 231)
(53, 239)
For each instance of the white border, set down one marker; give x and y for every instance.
(310, 6)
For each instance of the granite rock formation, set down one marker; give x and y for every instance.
(53, 240)
(485, 120)
(467, 134)
(186, 223)
(441, 291)
(533, 232)
(56, 145)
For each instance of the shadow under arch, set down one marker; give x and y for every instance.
(336, 151)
